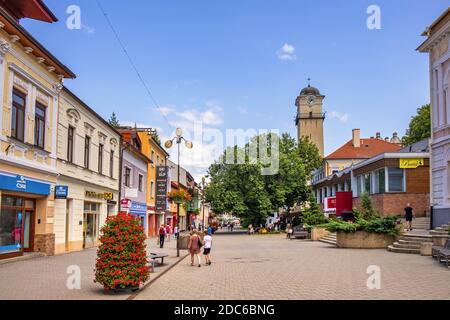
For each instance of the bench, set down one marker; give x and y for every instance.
(435, 249)
(299, 233)
(154, 256)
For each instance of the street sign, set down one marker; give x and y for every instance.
(161, 187)
(61, 192)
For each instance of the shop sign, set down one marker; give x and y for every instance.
(23, 184)
(99, 195)
(161, 187)
(330, 204)
(411, 163)
(138, 208)
(61, 192)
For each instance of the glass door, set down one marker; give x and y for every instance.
(27, 231)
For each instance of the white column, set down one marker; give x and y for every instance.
(4, 48)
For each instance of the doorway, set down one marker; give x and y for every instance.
(90, 224)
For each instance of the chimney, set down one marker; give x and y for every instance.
(356, 135)
(378, 135)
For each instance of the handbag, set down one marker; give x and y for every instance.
(200, 244)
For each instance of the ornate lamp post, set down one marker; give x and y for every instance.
(168, 144)
(203, 186)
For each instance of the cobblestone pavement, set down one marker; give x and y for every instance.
(272, 267)
(45, 277)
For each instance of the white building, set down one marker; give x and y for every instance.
(438, 47)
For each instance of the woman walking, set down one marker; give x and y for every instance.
(207, 242)
(194, 247)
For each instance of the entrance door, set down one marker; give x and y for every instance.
(28, 231)
(89, 230)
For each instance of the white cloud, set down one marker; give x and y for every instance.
(342, 117)
(287, 52)
(242, 110)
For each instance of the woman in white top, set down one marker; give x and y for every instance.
(207, 242)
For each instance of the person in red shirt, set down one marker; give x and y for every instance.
(162, 235)
(168, 232)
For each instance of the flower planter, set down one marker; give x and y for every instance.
(363, 240)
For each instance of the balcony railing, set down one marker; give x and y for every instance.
(309, 115)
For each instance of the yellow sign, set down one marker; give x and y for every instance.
(108, 195)
(411, 163)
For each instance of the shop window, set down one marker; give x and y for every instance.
(368, 183)
(395, 176)
(380, 181)
(358, 185)
(18, 115)
(70, 136)
(39, 126)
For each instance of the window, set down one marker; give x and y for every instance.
(39, 123)
(126, 180)
(395, 176)
(380, 181)
(18, 116)
(368, 183)
(358, 185)
(87, 147)
(111, 163)
(152, 187)
(100, 158)
(70, 136)
(140, 182)
(152, 156)
(157, 160)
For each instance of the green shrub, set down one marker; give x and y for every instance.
(385, 225)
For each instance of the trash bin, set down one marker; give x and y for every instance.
(184, 239)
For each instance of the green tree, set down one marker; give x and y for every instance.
(242, 190)
(419, 126)
(368, 212)
(113, 121)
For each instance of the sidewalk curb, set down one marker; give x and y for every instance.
(134, 295)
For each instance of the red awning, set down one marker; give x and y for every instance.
(33, 9)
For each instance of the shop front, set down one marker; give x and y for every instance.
(140, 211)
(23, 205)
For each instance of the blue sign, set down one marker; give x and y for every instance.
(138, 208)
(23, 184)
(61, 192)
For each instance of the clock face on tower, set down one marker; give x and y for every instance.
(311, 99)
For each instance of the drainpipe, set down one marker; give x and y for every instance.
(120, 172)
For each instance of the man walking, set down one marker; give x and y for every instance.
(409, 215)
(162, 235)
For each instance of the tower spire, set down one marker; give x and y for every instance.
(309, 82)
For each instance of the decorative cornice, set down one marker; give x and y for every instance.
(40, 60)
(58, 87)
(28, 50)
(14, 38)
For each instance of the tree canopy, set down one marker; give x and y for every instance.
(419, 126)
(113, 121)
(241, 188)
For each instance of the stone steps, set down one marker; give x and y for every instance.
(403, 250)
(329, 239)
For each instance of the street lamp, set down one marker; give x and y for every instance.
(203, 185)
(168, 144)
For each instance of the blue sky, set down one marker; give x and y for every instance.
(222, 61)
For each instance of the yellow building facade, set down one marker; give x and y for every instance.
(158, 157)
(30, 84)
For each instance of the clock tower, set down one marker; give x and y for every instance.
(310, 116)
